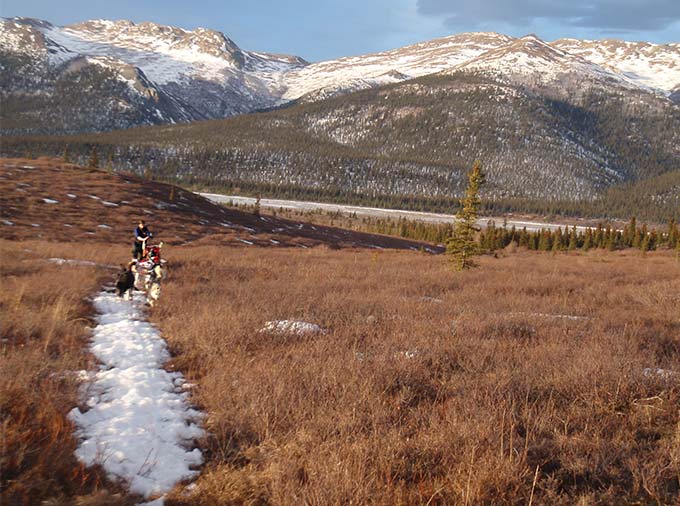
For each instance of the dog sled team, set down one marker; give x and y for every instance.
(145, 271)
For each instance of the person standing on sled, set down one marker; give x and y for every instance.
(141, 235)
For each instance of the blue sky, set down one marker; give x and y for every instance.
(321, 29)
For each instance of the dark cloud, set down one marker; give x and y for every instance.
(624, 15)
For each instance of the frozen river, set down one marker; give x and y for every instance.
(374, 212)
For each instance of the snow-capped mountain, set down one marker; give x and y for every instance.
(203, 71)
(533, 62)
(368, 71)
(655, 66)
(134, 74)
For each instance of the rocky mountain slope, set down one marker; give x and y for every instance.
(103, 75)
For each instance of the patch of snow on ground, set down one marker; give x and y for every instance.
(291, 327)
(8, 223)
(71, 261)
(663, 373)
(245, 241)
(71, 195)
(431, 299)
(50, 201)
(140, 427)
(103, 226)
(109, 204)
(408, 354)
(548, 315)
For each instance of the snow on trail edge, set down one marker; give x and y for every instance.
(139, 425)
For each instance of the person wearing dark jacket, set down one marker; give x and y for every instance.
(141, 235)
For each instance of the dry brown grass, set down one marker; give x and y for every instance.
(499, 389)
(44, 325)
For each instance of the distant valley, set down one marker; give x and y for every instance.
(567, 127)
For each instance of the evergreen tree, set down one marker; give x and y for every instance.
(608, 239)
(588, 240)
(645, 244)
(557, 240)
(489, 238)
(65, 155)
(93, 162)
(573, 239)
(461, 246)
(653, 239)
(598, 241)
(524, 237)
(630, 232)
(545, 240)
(673, 236)
(637, 236)
(643, 238)
(610, 243)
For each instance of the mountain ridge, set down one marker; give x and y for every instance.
(205, 75)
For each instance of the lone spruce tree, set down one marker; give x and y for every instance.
(461, 246)
(93, 162)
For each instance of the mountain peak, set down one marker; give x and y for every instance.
(213, 43)
(207, 75)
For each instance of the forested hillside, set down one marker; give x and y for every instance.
(605, 153)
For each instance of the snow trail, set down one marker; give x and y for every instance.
(139, 425)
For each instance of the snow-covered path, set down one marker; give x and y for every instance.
(139, 425)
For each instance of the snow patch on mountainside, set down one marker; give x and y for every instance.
(654, 66)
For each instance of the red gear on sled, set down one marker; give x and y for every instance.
(153, 254)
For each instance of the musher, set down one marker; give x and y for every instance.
(142, 233)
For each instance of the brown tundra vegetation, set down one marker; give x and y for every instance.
(536, 379)
(44, 328)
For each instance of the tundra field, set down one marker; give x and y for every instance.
(555, 376)
(535, 379)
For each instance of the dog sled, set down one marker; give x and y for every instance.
(149, 271)
(143, 275)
